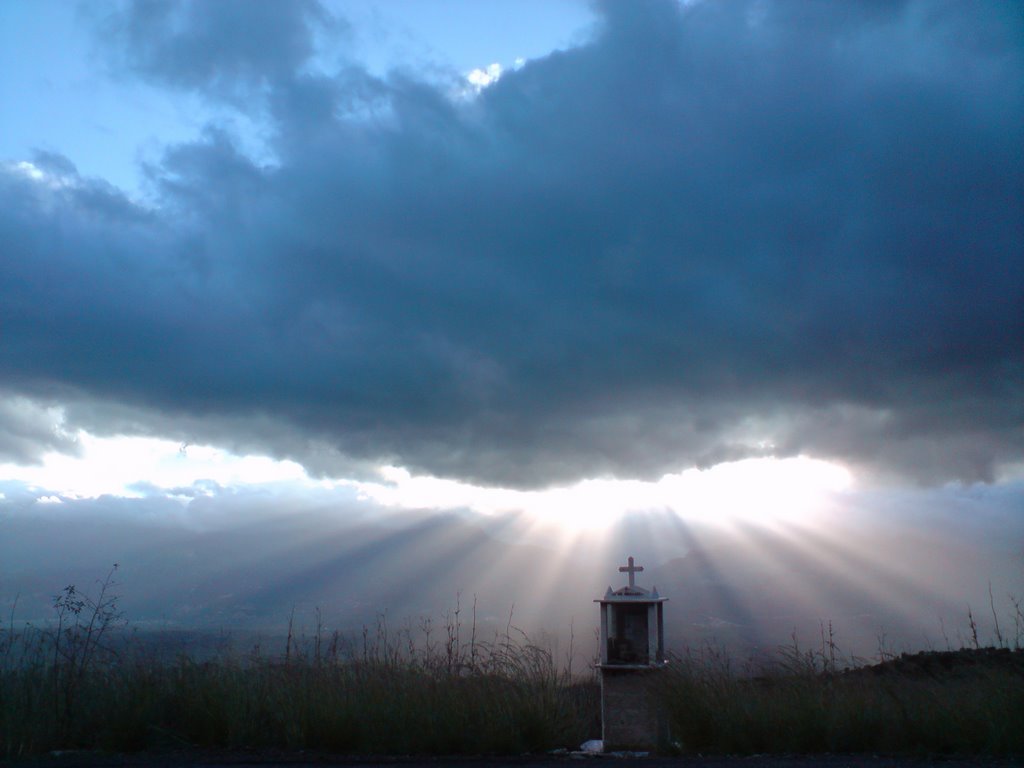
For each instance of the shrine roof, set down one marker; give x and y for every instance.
(632, 594)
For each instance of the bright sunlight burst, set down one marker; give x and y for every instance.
(764, 490)
(119, 466)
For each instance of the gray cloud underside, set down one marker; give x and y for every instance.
(710, 228)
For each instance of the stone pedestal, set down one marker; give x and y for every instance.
(630, 713)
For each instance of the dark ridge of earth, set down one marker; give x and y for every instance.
(944, 664)
(196, 759)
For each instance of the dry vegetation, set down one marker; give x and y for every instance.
(69, 685)
(969, 701)
(78, 685)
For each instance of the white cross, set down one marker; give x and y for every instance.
(631, 570)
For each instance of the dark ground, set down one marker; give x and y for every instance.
(306, 760)
(929, 664)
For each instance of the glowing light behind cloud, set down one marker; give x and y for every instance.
(761, 489)
(115, 465)
(480, 78)
(790, 489)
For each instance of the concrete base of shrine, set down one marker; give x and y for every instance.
(631, 717)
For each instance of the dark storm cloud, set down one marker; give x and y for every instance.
(715, 231)
(229, 48)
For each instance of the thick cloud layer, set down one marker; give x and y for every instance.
(716, 230)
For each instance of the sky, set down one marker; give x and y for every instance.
(577, 277)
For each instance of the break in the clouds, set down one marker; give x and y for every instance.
(713, 230)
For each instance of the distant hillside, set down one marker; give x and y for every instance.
(965, 662)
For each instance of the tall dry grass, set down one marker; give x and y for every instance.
(71, 686)
(969, 701)
(80, 682)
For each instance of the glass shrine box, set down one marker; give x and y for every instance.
(632, 649)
